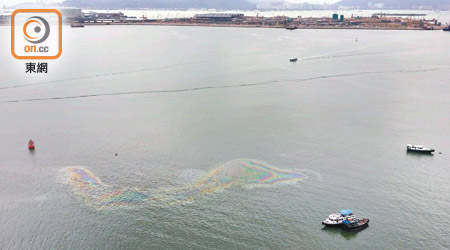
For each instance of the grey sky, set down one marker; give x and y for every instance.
(12, 2)
(298, 1)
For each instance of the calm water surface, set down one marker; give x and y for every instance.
(176, 102)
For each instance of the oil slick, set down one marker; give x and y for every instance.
(242, 172)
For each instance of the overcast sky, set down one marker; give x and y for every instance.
(298, 1)
(12, 2)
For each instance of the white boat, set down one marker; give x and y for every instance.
(293, 59)
(419, 149)
(336, 219)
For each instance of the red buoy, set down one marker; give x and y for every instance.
(31, 145)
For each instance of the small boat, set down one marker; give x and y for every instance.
(447, 28)
(291, 27)
(355, 224)
(293, 59)
(418, 149)
(31, 145)
(77, 25)
(336, 219)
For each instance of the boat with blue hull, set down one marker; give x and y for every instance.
(355, 224)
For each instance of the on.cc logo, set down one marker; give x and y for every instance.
(40, 30)
(36, 34)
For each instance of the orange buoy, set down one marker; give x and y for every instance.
(31, 145)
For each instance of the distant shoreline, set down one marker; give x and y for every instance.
(250, 26)
(376, 21)
(244, 26)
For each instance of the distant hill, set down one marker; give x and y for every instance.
(161, 4)
(399, 4)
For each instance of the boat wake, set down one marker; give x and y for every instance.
(242, 172)
(340, 55)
